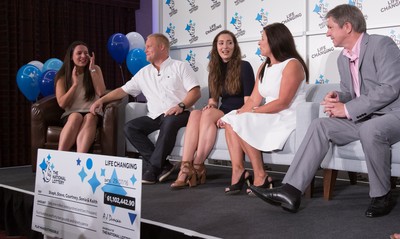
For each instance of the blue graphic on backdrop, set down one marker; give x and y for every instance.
(236, 21)
(191, 29)
(171, 5)
(258, 53)
(171, 34)
(321, 80)
(262, 17)
(191, 58)
(321, 9)
(359, 5)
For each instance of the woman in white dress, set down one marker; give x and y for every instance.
(266, 127)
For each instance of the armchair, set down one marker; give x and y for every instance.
(46, 128)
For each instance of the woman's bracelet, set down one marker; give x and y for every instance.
(92, 70)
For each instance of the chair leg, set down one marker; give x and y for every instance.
(309, 190)
(330, 176)
(352, 177)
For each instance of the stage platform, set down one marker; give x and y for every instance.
(206, 212)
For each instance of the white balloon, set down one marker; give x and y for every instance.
(38, 64)
(135, 40)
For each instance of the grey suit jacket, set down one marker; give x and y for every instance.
(379, 75)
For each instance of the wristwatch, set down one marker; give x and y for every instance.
(182, 105)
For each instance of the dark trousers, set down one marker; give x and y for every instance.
(137, 130)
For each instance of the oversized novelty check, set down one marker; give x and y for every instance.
(81, 195)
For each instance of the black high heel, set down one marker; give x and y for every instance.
(237, 187)
(267, 184)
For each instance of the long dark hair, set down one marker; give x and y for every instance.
(282, 46)
(232, 83)
(66, 72)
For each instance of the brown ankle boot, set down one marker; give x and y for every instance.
(190, 176)
(200, 173)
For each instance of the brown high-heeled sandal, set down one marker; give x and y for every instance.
(190, 176)
(200, 173)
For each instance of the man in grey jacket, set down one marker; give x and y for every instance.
(367, 109)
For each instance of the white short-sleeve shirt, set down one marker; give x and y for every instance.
(163, 89)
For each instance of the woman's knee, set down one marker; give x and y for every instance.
(90, 121)
(74, 119)
(195, 115)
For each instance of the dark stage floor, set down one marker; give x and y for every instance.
(206, 212)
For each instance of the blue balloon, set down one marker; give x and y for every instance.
(118, 47)
(136, 60)
(27, 81)
(46, 82)
(52, 64)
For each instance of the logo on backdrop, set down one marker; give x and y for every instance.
(50, 175)
(193, 6)
(171, 34)
(236, 21)
(395, 37)
(191, 29)
(215, 4)
(321, 9)
(359, 5)
(322, 51)
(213, 28)
(237, 2)
(262, 18)
(391, 4)
(191, 58)
(171, 5)
(258, 53)
(321, 80)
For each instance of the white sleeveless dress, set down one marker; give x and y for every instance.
(267, 132)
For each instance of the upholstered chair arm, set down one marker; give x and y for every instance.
(44, 112)
(306, 112)
(112, 131)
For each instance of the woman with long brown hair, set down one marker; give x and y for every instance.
(230, 82)
(78, 83)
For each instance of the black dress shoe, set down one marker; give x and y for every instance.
(380, 206)
(280, 196)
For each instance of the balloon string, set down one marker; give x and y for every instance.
(122, 74)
